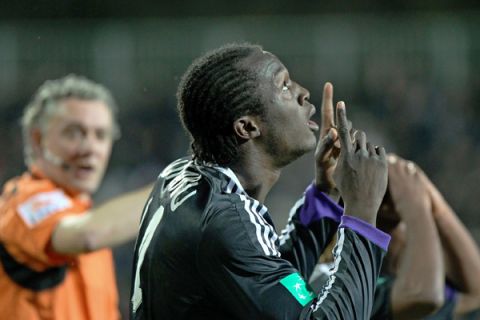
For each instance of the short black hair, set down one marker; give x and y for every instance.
(213, 93)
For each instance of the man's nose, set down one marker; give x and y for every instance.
(87, 144)
(303, 95)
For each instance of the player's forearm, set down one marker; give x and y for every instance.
(461, 251)
(113, 223)
(349, 292)
(312, 224)
(117, 220)
(419, 284)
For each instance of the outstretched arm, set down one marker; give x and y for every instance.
(418, 289)
(112, 223)
(462, 255)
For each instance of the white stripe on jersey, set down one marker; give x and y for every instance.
(257, 220)
(230, 186)
(263, 210)
(285, 234)
(145, 211)
(268, 233)
(338, 259)
(147, 238)
(229, 173)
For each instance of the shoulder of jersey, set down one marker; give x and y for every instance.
(36, 200)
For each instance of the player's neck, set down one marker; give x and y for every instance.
(256, 176)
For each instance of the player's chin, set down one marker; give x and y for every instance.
(307, 146)
(89, 186)
(311, 142)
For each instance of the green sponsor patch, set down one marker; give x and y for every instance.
(381, 280)
(298, 288)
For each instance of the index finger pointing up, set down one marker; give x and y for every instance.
(327, 108)
(342, 126)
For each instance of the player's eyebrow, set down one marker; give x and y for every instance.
(278, 70)
(274, 68)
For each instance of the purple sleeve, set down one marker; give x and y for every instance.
(366, 230)
(318, 205)
(450, 292)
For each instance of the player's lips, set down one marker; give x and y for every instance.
(84, 170)
(312, 124)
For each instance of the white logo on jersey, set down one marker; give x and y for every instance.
(183, 180)
(180, 184)
(173, 168)
(42, 205)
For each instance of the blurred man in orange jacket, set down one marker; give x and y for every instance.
(54, 256)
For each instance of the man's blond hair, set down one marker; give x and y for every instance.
(46, 100)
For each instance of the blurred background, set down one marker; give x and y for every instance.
(409, 73)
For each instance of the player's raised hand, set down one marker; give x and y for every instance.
(408, 192)
(361, 173)
(439, 204)
(328, 149)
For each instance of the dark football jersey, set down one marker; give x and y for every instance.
(207, 250)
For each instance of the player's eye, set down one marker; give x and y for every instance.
(104, 134)
(286, 86)
(73, 133)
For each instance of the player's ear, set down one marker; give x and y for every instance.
(36, 140)
(247, 127)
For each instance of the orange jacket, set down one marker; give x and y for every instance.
(35, 282)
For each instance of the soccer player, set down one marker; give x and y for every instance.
(207, 247)
(431, 270)
(54, 256)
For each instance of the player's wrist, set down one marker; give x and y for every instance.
(362, 212)
(327, 188)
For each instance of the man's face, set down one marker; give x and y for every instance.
(288, 132)
(79, 135)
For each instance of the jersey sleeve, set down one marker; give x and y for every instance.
(312, 223)
(254, 285)
(27, 224)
